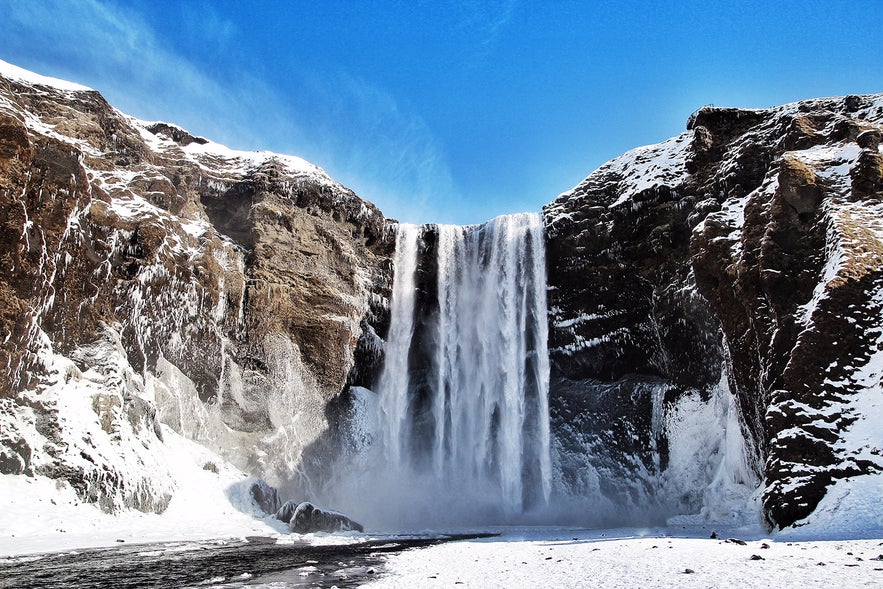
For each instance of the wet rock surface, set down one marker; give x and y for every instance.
(309, 519)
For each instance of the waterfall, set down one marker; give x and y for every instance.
(464, 412)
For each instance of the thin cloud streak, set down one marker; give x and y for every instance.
(359, 133)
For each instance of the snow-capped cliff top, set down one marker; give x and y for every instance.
(210, 156)
(13, 72)
(665, 163)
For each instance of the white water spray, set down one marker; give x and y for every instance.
(464, 389)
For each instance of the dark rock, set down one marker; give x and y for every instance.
(286, 511)
(867, 175)
(265, 496)
(176, 134)
(308, 519)
(869, 139)
(756, 557)
(15, 456)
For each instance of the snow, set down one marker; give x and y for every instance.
(13, 72)
(650, 166)
(637, 170)
(42, 514)
(562, 557)
(216, 157)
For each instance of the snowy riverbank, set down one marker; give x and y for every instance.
(841, 545)
(545, 557)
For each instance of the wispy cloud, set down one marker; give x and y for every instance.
(483, 20)
(397, 159)
(357, 131)
(118, 53)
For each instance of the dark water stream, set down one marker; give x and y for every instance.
(254, 562)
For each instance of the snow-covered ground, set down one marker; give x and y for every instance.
(41, 514)
(670, 557)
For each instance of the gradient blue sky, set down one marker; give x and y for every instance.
(447, 112)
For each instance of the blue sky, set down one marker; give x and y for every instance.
(447, 112)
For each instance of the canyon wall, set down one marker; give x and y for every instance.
(750, 244)
(151, 276)
(714, 307)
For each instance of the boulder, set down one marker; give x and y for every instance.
(308, 518)
(285, 512)
(265, 496)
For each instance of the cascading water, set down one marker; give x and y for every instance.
(456, 431)
(463, 397)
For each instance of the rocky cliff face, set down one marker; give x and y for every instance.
(750, 244)
(715, 307)
(152, 276)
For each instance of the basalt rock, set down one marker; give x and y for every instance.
(309, 519)
(286, 511)
(749, 244)
(266, 496)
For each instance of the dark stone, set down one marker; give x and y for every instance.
(176, 134)
(265, 496)
(869, 139)
(15, 456)
(308, 519)
(286, 511)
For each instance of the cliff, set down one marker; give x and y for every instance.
(750, 245)
(153, 276)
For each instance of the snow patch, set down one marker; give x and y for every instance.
(13, 72)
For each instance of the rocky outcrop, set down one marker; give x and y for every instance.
(309, 519)
(750, 243)
(265, 496)
(286, 511)
(629, 334)
(165, 278)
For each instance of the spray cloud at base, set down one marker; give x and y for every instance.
(457, 429)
